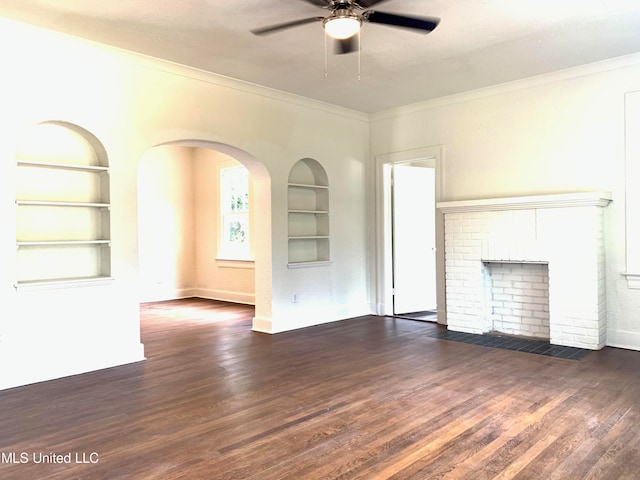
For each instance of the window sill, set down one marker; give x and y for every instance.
(235, 263)
(633, 280)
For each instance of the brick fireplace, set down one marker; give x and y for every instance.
(490, 242)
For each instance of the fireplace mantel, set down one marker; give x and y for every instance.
(576, 199)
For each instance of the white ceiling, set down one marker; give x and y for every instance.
(478, 42)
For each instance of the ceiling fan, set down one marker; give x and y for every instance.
(346, 17)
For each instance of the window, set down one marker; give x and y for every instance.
(234, 213)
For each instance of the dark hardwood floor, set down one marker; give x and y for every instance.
(368, 398)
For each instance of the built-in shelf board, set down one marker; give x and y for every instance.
(47, 203)
(518, 261)
(307, 185)
(63, 166)
(308, 237)
(58, 243)
(54, 283)
(314, 212)
(318, 263)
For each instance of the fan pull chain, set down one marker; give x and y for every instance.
(325, 56)
(359, 50)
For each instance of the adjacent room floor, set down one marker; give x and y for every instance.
(367, 398)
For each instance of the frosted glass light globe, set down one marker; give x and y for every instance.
(342, 27)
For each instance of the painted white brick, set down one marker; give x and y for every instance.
(533, 279)
(503, 297)
(523, 299)
(534, 306)
(515, 306)
(502, 311)
(512, 291)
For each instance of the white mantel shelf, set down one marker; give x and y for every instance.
(578, 199)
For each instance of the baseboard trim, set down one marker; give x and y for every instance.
(226, 296)
(209, 294)
(623, 339)
(262, 325)
(163, 295)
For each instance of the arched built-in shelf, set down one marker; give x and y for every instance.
(308, 200)
(63, 207)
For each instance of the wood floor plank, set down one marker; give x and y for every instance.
(514, 427)
(591, 415)
(366, 398)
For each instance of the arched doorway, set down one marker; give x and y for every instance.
(181, 263)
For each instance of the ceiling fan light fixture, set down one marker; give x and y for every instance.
(342, 26)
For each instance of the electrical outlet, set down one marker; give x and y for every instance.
(294, 298)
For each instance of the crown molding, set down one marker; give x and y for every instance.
(173, 68)
(193, 73)
(515, 85)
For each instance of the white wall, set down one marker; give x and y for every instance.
(558, 133)
(132, 104)
(217, 278)
(166, 254)
(327, 292)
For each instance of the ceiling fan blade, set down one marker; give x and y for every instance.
(368, 3)
(346, 45)
(319, 3)
(424, 24)
(283, 26)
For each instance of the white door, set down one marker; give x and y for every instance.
(414, 239)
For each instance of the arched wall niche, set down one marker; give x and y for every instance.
(308, 212)
(308, 171)
(46, 141)
(62, 206)
(261, 183)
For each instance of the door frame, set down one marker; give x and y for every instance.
(384, 252)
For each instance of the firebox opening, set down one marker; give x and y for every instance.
(517, 299)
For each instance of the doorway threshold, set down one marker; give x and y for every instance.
(424, 316)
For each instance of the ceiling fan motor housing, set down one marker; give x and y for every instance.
(342, 10)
